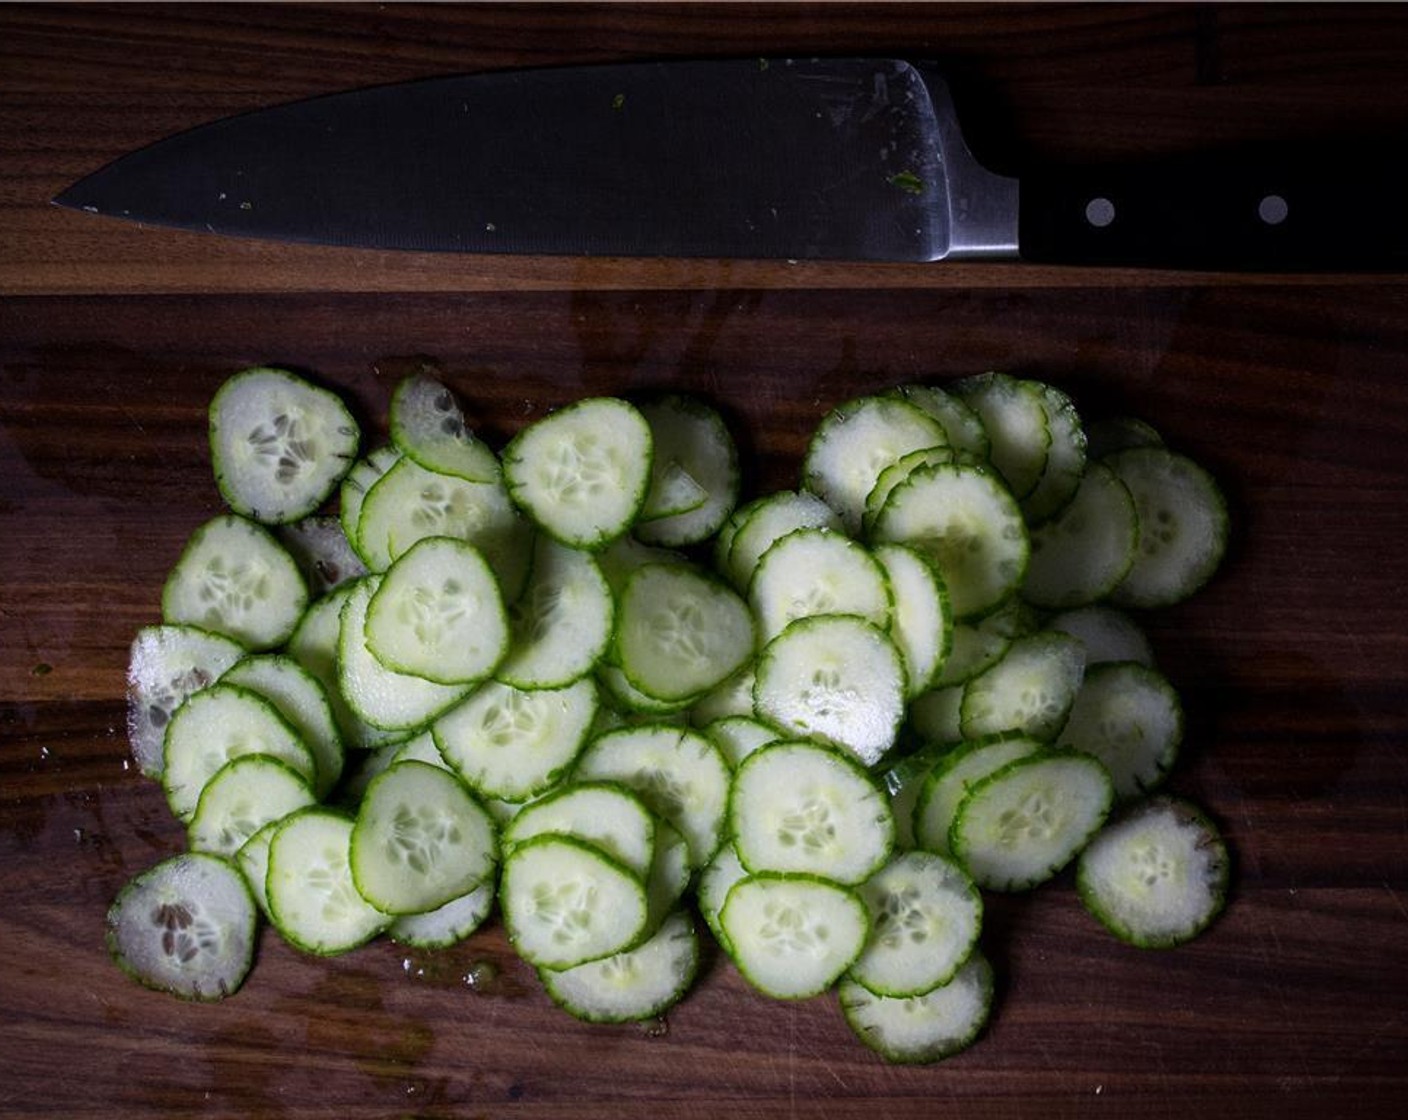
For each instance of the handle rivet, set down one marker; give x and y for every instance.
(1272, 210)
(1099, 212)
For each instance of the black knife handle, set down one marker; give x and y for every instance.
(1311, 210)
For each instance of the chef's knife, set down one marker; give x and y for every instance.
(856, 159)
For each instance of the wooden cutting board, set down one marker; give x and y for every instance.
(1293, 664)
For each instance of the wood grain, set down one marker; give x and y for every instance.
(1293, 664)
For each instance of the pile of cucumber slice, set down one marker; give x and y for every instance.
(581, 684)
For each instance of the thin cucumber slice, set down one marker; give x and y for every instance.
(1015, 418)
(732, 698)
(792, 936)
(218, 724)
(965, 431)
(1109, 434)
(166, 664)
(1022, 824)
(896, 473)
(739, 736)
(623, 557)
(855, 442)
(322, 552)
(625, 698)
(799, 807)
(437, 614)
(936, 716)
(410, 504)
(927, 1028)
(513, 744)
(922, 621)
(964, 520)
(1030, 690)
(253, 862)
(566, 902)
(680, 632)
(677, 772)
(607, 815)
(446, 925)
(767, 521)
(692, 445)
(904, 781)
(670, 872)
(953, 776)
(1107, 633)
(1183, 526)
(582, 473)
(1129, 717)
(833, 678)
(428, 426)
(420, 840)
(1083, 553)
(673, 490)
(711, 892)
(562, 622)
(1065, 457)
(245, 794)
(279, 444)
(313, 901)
(640, 983)
(925, 914)
(981, 644)
(235, 579)
(353, 493)
(377, 695)
(1157, 877)
(814, 572)
(420, 747)
(185, 926)
(303, 701)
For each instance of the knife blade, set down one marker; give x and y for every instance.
(836, 158)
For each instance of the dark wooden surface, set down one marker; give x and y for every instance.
(1293, 664)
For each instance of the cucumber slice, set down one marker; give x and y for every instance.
(903, 783)
(513, 744)
(767, 521)
(1014, 415)
(833, 678)
(627, 700)
(1183, 526)
(815, 572)
(855, 442)
(313, 901)
(377, 695)
(353, 493)
(966, 522)
(298, 696)
(582, 473)
(792, 936)
(446, 925)
(235, 579)
(1107, 633)
(798, 807)
(965, 431)
(322, 552)
(953, 776)
(437, 614)
(562, 623)
(607, 815)
(166, 664)
(420, 840)
(1158, 876)
(185, 926)
(1083, 553)
(936, 716)
(566, 902)
(218, 724)
(245, 794)
(981, 644)
(925, 914)
(279, 444)
(896, 473)
(1022, 824)
(1129, 717)
(739, 736)
(1119, 433)
(732, 698)
(695, 448)
(1030, 690)
(711, 892)
(1065, 457)
(922, 621)
(428, 426)
(253, 862)
(640, 983)
(927, 1028)
(677, 772)
(680, 632)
